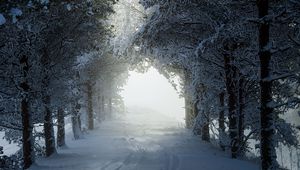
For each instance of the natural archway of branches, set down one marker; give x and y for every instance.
(235, 64)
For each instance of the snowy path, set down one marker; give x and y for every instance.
(149, 145)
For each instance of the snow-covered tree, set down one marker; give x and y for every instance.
(40, 44)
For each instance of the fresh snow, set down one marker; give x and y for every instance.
(140, 142)
(8, 148)
(15, 12)
(2, 19)
(44, 2)
(69, 7)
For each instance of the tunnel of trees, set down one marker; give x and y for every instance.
(238, 63)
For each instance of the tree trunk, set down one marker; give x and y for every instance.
(76, 123)
(188, 113)
(231, 75)
(48, 128)
(187, 102)
(241, 115)
(90, 107)
(79, 122)
(110, 107)
(103, 105)
(27, 139)
(75, 128)
(201, 127)
(205, 128)
(103, 108)
(60, 128)
(205, 119)
(99, 108)
(196, 129)
(221, 121)
(27, 135)
(267, 150)
(48, 124)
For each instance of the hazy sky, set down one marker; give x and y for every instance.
(153, 91)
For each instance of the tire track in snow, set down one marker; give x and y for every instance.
(112, 165)
(173, 163)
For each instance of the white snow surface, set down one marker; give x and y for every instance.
(138, 143)
(69, 7)
(15, 12)
(8, 148)
(2, 19)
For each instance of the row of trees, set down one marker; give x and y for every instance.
(54, 56)
(239, 62)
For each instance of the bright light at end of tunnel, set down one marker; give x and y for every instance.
(151, 91)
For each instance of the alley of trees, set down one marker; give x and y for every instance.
(238, 63)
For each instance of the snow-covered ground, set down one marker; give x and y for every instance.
(140, 142)
(9, 148)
